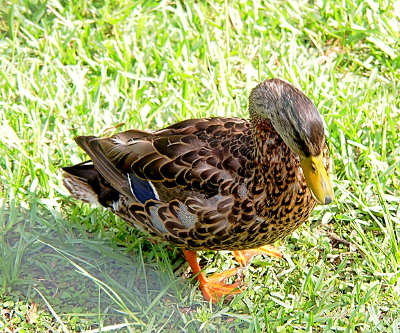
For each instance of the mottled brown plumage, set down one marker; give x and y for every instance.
(215, 183)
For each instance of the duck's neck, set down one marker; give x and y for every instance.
(268, 145)
(277, 177)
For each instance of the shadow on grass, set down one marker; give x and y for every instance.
(88, 275)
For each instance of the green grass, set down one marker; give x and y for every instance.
(70, 68)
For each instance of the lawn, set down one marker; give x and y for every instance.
(71, 68)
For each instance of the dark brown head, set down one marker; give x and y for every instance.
(298, 122)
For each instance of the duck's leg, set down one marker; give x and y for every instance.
(243, 257)
(213, 287)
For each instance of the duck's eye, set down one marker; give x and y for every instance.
(313, 168)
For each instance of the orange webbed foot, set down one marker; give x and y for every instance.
(213, 287)
(243, 257)
(216, 289)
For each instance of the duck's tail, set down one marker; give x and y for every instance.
(85, 183)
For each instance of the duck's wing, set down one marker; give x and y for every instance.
(194, 155)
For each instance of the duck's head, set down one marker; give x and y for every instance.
(298, 122)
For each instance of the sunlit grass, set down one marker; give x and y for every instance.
(79, 67)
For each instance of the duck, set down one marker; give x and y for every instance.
(215, 184)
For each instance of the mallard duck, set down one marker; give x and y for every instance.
(214, 183)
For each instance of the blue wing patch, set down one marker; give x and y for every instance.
(143, 190)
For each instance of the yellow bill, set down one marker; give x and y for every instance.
(317, 179)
